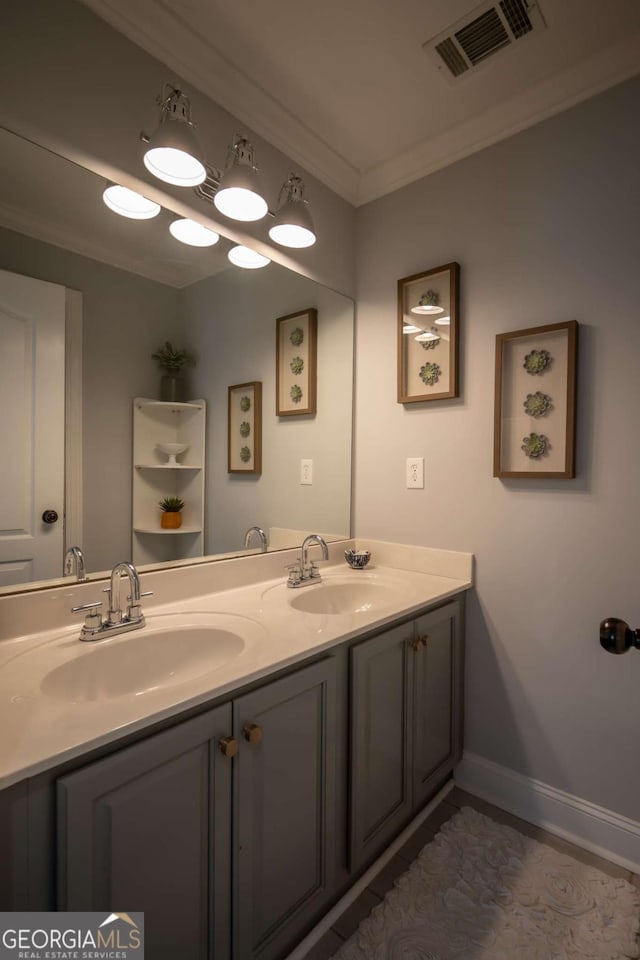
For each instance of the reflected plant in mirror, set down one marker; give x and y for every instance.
(126, 293)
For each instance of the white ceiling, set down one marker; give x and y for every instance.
(344, 88)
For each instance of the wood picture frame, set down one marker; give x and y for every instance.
(428, 334)
(535, 402)
(244, 438)
(296, 359)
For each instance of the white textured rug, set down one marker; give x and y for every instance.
(482, 891)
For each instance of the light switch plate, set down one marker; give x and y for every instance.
(306, 472)
(415, 473)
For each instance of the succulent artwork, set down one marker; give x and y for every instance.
(429, 299)
(430, 373)
(245, 454)
(537, 361)
(296, 336)
(245, 403)
(537, 404)
(295, 393)
(296, 366)
(535, 445)
(245, 428)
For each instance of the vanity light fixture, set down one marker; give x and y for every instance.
(243, 256)
(428, 337)
(193, 233)
(410, 328)
(239, 193)
(443, 321)
(428, 303)
(128, 203)
(293, 224)
(173, 154)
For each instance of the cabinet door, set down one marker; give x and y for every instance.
(284, 800)
(145, 829)
(437, 699)
(380, 708)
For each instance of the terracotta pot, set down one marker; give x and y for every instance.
(170, 520)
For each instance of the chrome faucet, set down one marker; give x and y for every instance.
(261, 536)
(302, 573)
(95, 628)
(74, 563)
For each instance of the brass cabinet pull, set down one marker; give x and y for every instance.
(252, 732)
(228, 746)
(420, 642)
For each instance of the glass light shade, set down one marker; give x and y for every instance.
(128, 203)
(173, 154)
(239, 195)
(245, 257)
(409, 328)
(293, 226)
(427, 308)
(427, 337)
(188, 231)
(444, 321)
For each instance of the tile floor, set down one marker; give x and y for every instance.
(369, 898)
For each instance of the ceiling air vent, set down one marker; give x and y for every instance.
(481, 34)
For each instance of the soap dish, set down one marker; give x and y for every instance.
(357, 559)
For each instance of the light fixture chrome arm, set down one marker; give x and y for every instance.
(262, 537)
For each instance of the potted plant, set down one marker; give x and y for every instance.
(172, 362)
(171, 517)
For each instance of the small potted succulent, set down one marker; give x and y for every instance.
(171, 517)
(172, 361)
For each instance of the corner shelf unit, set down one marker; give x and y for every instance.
(154, 422)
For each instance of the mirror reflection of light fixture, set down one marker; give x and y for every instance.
(243, 256)
(428, 339)
(128, 203)
(443, 321)
(409, 328)
(173, 154)
(428, 303)
(293, 224)
(239, 194)
(192, 233)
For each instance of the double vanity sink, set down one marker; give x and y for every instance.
(60, 696)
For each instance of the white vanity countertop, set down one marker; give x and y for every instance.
(44, 723)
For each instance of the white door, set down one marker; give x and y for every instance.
(32, 394)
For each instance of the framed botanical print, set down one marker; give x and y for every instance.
(535, 402)
(244, 443)
(428, 334)
(296, 344)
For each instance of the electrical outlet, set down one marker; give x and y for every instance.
(415, 473)
(306, 472)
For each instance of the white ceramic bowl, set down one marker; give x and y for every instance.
(172, 450)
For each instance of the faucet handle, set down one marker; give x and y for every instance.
(147, 593)
(93, 617)
(295, 573)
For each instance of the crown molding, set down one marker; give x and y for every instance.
(159, 30)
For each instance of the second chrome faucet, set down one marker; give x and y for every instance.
(303, 573)
(95, 628)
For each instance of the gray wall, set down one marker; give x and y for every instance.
(230, 318)
(125, 319)
(545, 227)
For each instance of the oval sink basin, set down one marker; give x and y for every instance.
(343, 597)
(168, 650)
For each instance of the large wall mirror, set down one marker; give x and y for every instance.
(125, 287)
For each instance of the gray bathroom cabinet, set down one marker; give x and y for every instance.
(406, 724)
(236, 827)
(226, 856)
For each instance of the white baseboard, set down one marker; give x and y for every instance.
(607, 834)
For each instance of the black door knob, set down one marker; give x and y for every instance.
(617, 637)
(50, 516)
